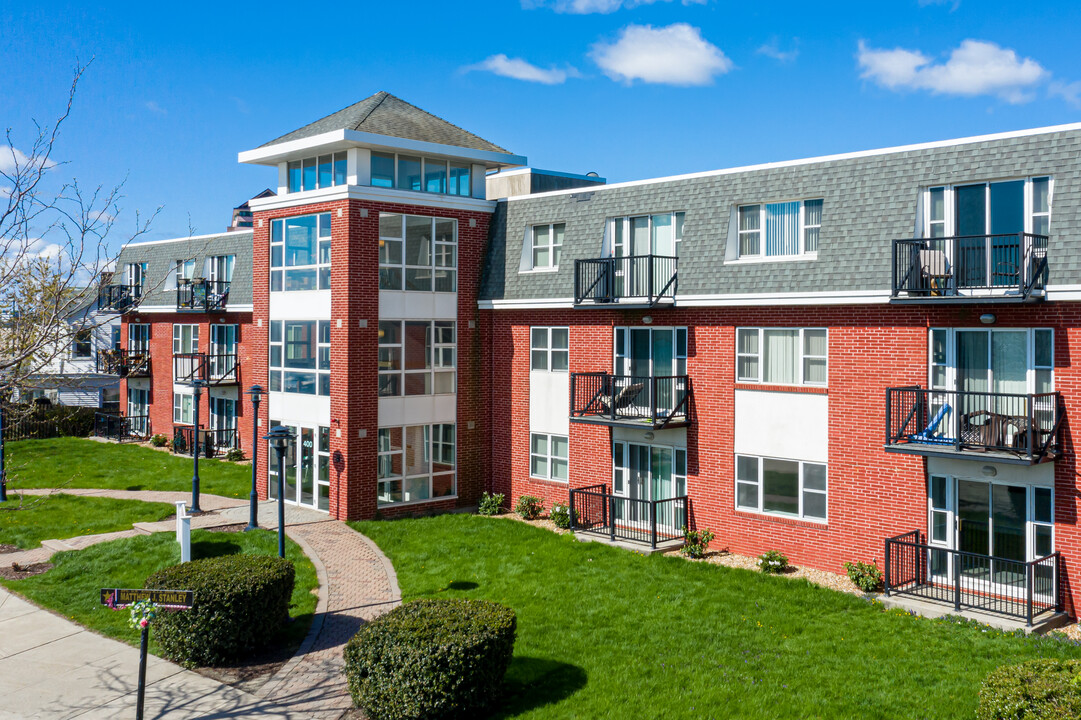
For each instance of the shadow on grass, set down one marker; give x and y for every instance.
(203, 549)
(462, 585)
(532, 683)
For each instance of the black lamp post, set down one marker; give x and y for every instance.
(256, 392)
(197, 384)
(279, 438)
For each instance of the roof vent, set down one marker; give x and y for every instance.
(582, 197)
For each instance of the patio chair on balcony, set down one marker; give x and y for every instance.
(936, 270)
(930, 433)
(218, 300)
(626, 396)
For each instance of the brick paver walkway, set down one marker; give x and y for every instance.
(357, 583)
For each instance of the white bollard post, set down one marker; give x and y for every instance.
(183, 531)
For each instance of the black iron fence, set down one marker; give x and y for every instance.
(216, 369)
(649, 278)
(658, 401)
(42, 421)
(1027, 425)
(595, 510)
(123, 363)
(212, 442)
(1014, 263)
(202, 295)
(121, 427)
(970, 581)
(119, 298)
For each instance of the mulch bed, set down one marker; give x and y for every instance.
(8, 572)
(9, 548)
(238, 527)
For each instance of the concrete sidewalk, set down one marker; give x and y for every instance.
(52, 668)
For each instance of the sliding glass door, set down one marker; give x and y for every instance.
(647, 473)
(990, 219)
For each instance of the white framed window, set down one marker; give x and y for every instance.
(781, 487)
(547, 245)
(549, 349)
(136, 276)
(300, 253)
(300, 356)
(185, 339)
(415, 463)
(657, 234)
(548, 456)
(777, 230)
(317, 172)
(82, 344)
(220, 268)
(417, 357)
(183, 409)
(782, 356)
(410, 172)
(417, 253)
(139, 338)
(1017, 361)
(183, 271)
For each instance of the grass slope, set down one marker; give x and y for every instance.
(72, 587)
(82, 463)
(605, 633)
(61, 516)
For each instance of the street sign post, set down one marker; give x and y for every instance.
(119, 598)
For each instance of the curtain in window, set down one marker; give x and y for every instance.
(782, 356)
(782, 228)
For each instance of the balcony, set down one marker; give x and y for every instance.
(641, 402)
(212, 443)
(999, 268)
(202, 295)
(635, 281)
(595, 510)
(123, 363)
(119, 298)
(210, 369)
(971, 583)
(1020, 429)
(121, 427)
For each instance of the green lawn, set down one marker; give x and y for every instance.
(72, 587)
(605, 633)
(41, 517)
(82, 463)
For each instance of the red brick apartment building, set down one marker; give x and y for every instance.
(857, 357)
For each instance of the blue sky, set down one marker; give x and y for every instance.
(629, 89)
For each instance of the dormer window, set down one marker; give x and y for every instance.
(778, 230)
(420, 174)
(317, 172)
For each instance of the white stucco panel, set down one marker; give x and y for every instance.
(401, 305)
(793, 426)
(418, 410)
(549, 402)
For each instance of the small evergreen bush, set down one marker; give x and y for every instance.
(241, 602)
(560, 515)
(696, 542)
(431, 659)
(866, 576)
(529, 507)
(234, 455)
(1035, 690)
(158, 440)
(491, 504)
(772, 562)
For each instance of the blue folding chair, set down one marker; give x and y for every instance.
(928, 434)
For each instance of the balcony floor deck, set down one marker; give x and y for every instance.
(641, 423)
(933, 609)
(948, 451)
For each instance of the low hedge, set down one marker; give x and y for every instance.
(241, 602)
(431, 659)
(1034, 690)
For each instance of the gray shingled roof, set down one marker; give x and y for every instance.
(385, 114)
(868, 202)
(161, 258)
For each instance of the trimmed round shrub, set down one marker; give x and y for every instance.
(431, 659)
(241, 602)
(1034, 690)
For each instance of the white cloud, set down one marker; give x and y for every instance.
(954, 4)
(587, 7)
(10, 157)
(42, 248)
(1070, 92)
(153, 107)
(772, 49)
(520, 69)
(672, 55)
(974, 68)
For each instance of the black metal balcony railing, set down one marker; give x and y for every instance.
(656, 402)
(1010, 266)
(121, 427)
(119, 298)
(123, 363)
(971, 581)
(212, 369)
(1025, 425)
(202, 295)
(212, 442)
(644, 278)
(596, 510)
